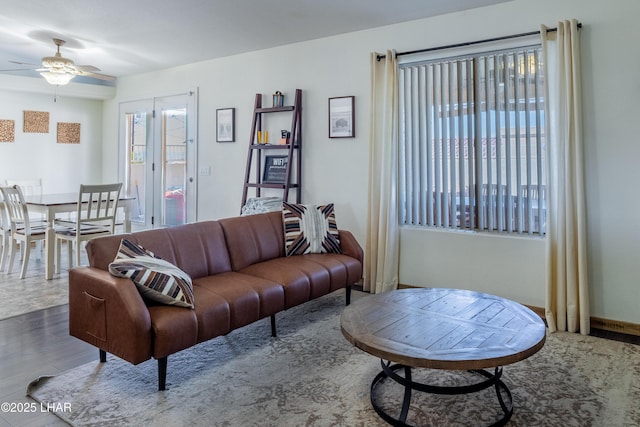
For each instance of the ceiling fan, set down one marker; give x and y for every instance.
(58, 70)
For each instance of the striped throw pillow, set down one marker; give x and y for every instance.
(155, 278)
(310, 229)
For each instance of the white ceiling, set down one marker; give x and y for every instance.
(123, 37)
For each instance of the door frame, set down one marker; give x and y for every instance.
(153, 201)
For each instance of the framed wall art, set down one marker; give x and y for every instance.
(36, 121)
(275, 169)
(342, 117)
(7, 130)
(68, 133)
(225, 125)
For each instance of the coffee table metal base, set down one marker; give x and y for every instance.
(389, 371)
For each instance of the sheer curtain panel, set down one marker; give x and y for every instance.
(567, 299)
(383, 239)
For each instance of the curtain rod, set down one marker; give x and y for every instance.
(450, 46)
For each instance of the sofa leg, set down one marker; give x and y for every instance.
(273, 325)
(162, 373)
(348, 294)
(103, 356)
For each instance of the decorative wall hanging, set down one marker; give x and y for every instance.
(7, 130)
(275, 168)
(225, 125)
(68, 133)
(36, 121)
(341, 117)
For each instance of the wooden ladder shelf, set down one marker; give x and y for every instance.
(260, 153)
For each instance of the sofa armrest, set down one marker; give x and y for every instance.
(108, 312)
(350, 246)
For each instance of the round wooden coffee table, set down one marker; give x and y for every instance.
(448, 329)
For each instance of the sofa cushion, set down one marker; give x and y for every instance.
(246, 299)
(199, 249)
(155, 278)
(310, 229)
(253, 238)
(306, 277)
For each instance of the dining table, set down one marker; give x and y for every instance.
(52, 204)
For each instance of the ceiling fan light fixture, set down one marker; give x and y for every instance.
(58, 79)
(57, 62)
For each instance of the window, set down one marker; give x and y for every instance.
(472, 143)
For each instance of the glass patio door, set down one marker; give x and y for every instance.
(137, 140)
(160, 163)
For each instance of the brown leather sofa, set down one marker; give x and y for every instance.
(240, 274)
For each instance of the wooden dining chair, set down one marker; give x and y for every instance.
(22, 230)
(95, 217)
(5, 234)
(30, 187)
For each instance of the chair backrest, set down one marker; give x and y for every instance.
(29, 187)
(4, 219)
(98, 204)
(16, 208)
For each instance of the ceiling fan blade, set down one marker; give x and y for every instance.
(58, 64)
(89, 68)
(18, 69)
(24, 63)
(95, 75)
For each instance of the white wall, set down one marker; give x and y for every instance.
(336, 170)
(62, 167)
(233, 82)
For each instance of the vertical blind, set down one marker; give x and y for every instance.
(472, 142)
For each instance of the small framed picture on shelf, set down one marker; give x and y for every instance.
(225, 125)
(275, 169)
(342, 117)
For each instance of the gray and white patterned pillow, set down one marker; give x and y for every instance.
(155, 278)
(310, 229)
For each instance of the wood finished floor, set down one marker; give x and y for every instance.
(38, 343)
(32, 345)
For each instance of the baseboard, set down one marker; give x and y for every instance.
(608, 325)
(615, 326)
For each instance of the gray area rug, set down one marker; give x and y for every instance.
(311, 376)
(34, 292)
